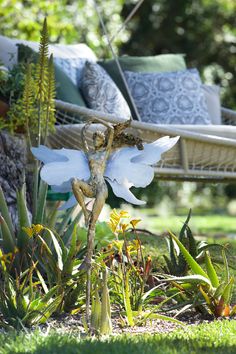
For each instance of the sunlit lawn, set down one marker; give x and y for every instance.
(216, 337)
(210, 225)
(212, 228)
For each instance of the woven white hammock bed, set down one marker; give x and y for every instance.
(203, 152)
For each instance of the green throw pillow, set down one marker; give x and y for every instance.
(158, 63)
(65, 89)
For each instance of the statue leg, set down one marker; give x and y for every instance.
(99, 202)
(82, 189)
(97, 208)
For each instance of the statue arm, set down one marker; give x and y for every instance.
(119, 127)
(109, 141)
(110, 134)
(85, 145)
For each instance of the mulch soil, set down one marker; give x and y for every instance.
(73, 324)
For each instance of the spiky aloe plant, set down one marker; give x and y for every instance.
(44, 96)
(42, 77)
(28, 102)
(49, 101)
(176, 263)
(216, 292)
(57, 256)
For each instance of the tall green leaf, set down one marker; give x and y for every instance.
(5, 213)
(228, 290)
(194, 266)
(69, 231)
(8, 241)
(191, 279)
(184, 227)
(68, 264)
(67, 216)
(96, 310)
(211, 271)
(105, 325)
(57, 248)
(23, 218)
(41, 203)
(227, 273)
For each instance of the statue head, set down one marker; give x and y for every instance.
(99, 140)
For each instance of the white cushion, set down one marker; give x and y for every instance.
(224, 131)
(8, 50)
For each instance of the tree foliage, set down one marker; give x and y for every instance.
(69, 21)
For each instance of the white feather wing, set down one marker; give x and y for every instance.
(122, 191)
(120, 168)
(126, 167)
(152, 152)
(129, 167)
(62, 165)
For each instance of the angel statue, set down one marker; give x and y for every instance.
(116, 157)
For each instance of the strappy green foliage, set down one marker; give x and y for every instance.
(21, 301)
(57, 257)
(101, 307)
(216, 292)
(176, 263)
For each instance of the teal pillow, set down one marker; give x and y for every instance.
(158, 63)
(66, 90)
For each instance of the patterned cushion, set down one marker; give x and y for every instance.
(148, 64)
(169, 98)
(101, 93)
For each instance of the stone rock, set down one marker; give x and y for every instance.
(12, 171)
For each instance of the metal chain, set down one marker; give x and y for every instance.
(115, 56)
(128, 18)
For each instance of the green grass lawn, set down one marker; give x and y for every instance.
(216, 337)
(212, 228)
(200, 224)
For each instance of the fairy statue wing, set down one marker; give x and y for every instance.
(60, 167)
(128, 167)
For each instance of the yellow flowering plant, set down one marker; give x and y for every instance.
(34, 230)
(129, 269)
